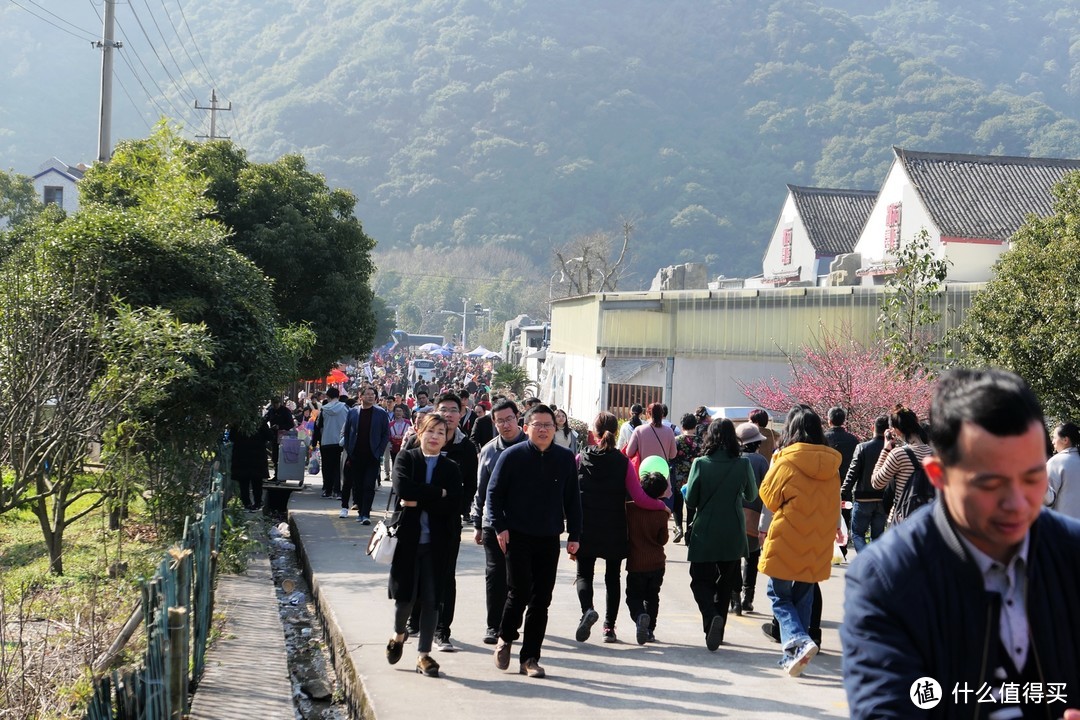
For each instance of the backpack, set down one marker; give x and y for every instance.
(917, 492)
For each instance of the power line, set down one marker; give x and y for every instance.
(50, 22)
(70, 24)
(154, 49)
(176, 114)
(168, 47)
(214, 82)
(183, 45)
(132, 101)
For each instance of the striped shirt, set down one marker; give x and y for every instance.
(896, 465)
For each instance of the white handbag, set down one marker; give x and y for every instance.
(382, 544)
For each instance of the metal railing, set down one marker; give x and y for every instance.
(177, 608)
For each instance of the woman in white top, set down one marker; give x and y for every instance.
(564, 435)
(1063, 471)
(894, 463)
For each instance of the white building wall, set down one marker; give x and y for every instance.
(56, 178)
(913, 218)
(573, 383)
(802, 252)
(706, 381)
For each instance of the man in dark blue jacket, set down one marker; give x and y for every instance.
(971, 608)
(366, 435)
(532, 490)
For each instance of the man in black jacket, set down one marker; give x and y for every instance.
(844, 443)
(969, 608)
(533, 487)
(869, 513)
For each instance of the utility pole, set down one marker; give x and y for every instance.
(107, 45)
(213, 108)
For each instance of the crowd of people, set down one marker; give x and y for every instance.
(743, 498)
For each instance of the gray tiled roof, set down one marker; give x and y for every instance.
(983, 196)
(833, 218)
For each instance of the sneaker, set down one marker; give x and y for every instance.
(365, 521)
(491, 636)
(393, 651)
(651, 638)
(584, 628)
(795, 664)
(642, 628)
(410, 631)
(678, 535)
(326, 495)
(442, 642)
(425, 665)
(343, 513)
(502, 653)
(337, 496)
(609, 635)
(532, 668)
(714, 638)
(767, 629)
(747, 606)
(736, 606)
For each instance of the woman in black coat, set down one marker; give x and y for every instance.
(606, 478)
(429, 486)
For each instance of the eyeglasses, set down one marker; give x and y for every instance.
(542, 426)
(507, 421)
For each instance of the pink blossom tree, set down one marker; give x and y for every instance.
(838, 370)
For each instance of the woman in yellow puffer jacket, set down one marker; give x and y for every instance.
(802, 489)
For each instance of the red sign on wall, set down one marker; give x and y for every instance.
(785, 248)
(892, 226)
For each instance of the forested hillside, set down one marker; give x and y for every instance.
(465, 123)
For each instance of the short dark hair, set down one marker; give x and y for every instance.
(881, 425)
(538, 409)
(533, 401)
(332, 392)
(654, 484)
(998, 401)
(689, 421)
(802, 425)
(837, 416)
(759, 418)
(505, 404)
(449, 397)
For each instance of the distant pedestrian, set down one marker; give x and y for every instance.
(869, 511)
(1063, 471)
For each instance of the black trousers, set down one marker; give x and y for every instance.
(251, 492)
(712, 583)
(331, 468)
(583, 583)
(749, 578)
(531, 564)
(423, 599)
(494, 578)
(360, 477)
(449, 599)
(643, 594)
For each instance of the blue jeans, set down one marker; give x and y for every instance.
(866, 516)
(792, 603)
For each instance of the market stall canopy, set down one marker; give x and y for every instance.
(493, 356)
(336, 376)
(479, 352)
(429, 347)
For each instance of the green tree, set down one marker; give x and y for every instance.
(305, 237)
(18, 202)
(146, 227)
(508, 376)
(74, 365)
(909, 317)
(1024, 319)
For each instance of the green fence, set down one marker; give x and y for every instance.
(177, 606)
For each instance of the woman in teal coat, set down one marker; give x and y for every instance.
(719, 482)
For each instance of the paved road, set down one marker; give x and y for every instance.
(676, 677)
